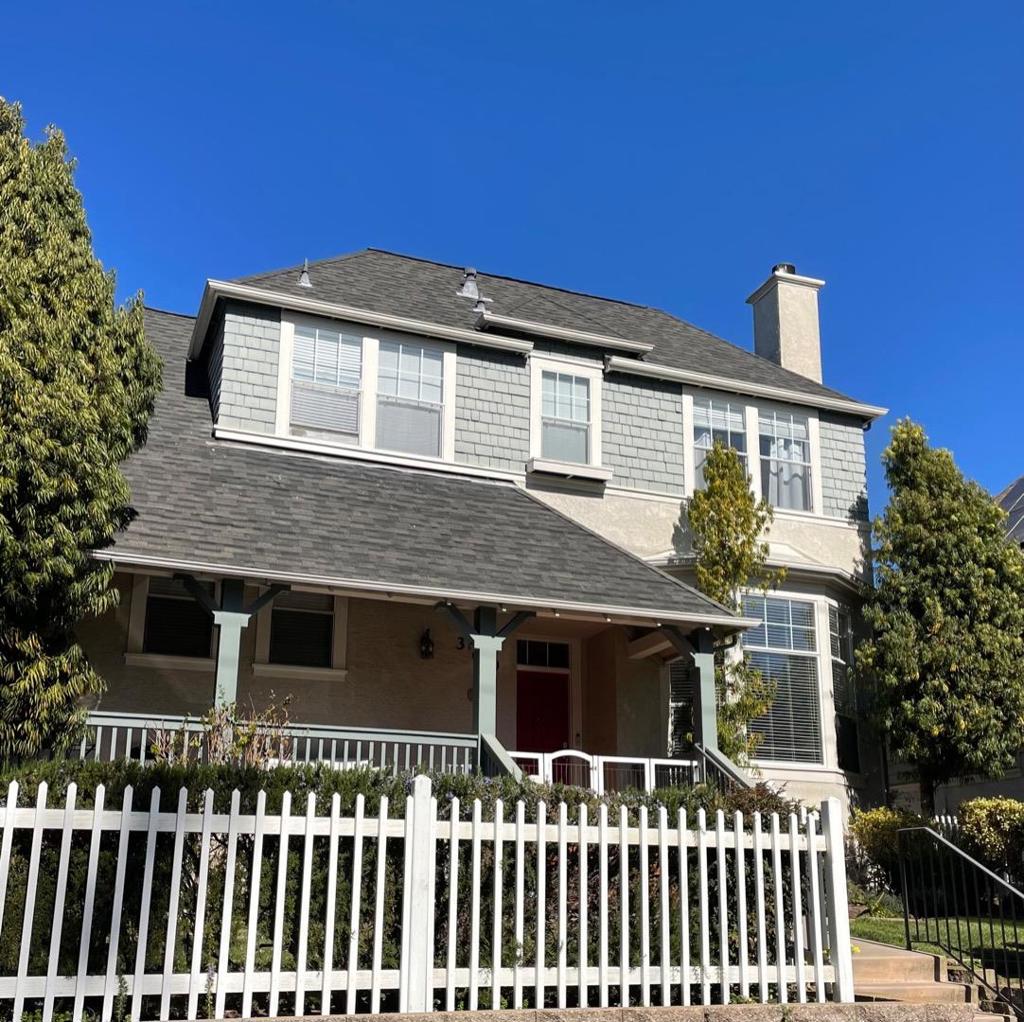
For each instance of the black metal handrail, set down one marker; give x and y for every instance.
(947, 892)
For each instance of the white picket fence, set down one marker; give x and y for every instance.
(427, 911)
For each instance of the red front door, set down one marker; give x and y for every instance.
(542, 710)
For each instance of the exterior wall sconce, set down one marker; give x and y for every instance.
(426, 645)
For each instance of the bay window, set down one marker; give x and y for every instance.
(785, 459)
(784, 649)
(717, 421)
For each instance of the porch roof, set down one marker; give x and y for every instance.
(238, 508)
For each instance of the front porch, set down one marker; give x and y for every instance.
(402, 684)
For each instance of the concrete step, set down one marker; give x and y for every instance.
(916, 992)
(882, 963)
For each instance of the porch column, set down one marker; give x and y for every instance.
(231, 617)
(700, 646)
(705, 712)
(486, 644)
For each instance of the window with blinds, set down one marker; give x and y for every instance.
(326, 379)
(714, 422)
(784, 649)
(565, 417)
(176, 625)
(410, 398)
(785, 460)
(843, 690)
(302, 629)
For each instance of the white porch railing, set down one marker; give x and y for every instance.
(110, 736)
(413, 911)
(607, 773)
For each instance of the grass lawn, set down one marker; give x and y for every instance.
(987, 943)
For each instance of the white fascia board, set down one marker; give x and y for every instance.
(611, 612)
(487, 320)
(243, 292)
(618, 364)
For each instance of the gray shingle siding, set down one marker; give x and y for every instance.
(215, 368)
(844, 483)
(492, 409)
(642, 434)
(247, 395)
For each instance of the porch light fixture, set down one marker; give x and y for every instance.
(426, 645)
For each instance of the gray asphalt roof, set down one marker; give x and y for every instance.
(387, 282)
(1011, 500)
(200, 500)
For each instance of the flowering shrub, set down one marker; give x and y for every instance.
(992, 829)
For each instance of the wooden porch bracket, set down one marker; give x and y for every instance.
(231, 617)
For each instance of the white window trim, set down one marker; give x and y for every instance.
(262, 667)
(594, 374)
(753, 431)
(826, 704)
(134, 656)
(367, 440)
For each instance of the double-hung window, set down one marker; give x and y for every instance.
(410, 398)
(784, 649)
(565, 417)
(326, 378)
(717, 421)
(176, 623)
(785, 459)
(302, 629)
(843, 689)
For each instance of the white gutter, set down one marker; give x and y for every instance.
(527, 326)
(618, 364)
(732, 622)
(246, 293)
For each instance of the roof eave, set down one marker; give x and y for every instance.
(216, 289)
(619, 364)
(612, 613)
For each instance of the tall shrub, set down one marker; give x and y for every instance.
(77, 385)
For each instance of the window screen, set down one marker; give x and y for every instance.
(717, 421)
(176, 625)
(785, 460)
(326, 377)
(410, 398)
(784, 649)
(565, 417)
(302, 629)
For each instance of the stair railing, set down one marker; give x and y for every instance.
(952, 901)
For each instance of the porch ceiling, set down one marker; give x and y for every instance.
(237, 508)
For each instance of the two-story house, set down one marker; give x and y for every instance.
(444, 513)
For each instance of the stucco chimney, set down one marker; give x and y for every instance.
(786, 321)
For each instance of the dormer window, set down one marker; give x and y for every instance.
(326, 377)
(410, 398)
(565, 417)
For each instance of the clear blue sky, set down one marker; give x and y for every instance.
(666, 153)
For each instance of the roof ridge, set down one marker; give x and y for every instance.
(515, 280)
(298, 266)
(168, 312)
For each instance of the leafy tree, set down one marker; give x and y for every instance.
(947, 655)
(77, 385)
(728, 524)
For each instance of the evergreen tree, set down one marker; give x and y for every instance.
(728, 524)
(77, 385)
(947, 655)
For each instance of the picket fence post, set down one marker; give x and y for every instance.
(835, 892)
(417, 966)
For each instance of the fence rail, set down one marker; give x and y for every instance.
(162, 913)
